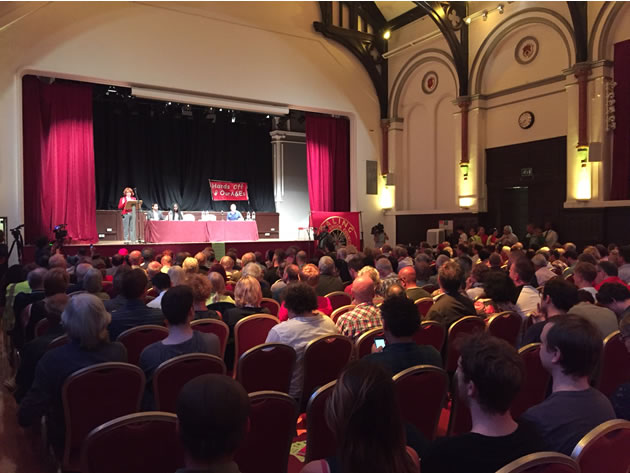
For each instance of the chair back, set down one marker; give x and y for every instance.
(542, 462)
(272, 425)
(421, 393)
(505, 325)
(171, 376)
(615, 367)
(252, 331)
(459, 328)
(108, 288)
(266, 367)
(138, 338)
(41, 327)
(534, 387)
(430, 288)
(324, 360)
(363, 345)
(460, 421)
(430, 333)
(339, 299)
(271, 305)
(423, 305)
(58, 342)
(93, 396)
(144, 442)
(340, 311)
(605, 448)
(218, 327)
(320, 441)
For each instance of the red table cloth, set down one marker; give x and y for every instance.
(162, 231)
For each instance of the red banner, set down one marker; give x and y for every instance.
(343, 226)
(224, 190)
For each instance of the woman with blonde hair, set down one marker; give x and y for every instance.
(364, 417)
(190, 265)
(85, 321)
(247, 297)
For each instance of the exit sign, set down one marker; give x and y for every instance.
(527, 172)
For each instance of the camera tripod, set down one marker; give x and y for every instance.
(18, 242)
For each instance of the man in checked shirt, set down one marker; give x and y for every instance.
(365, 315)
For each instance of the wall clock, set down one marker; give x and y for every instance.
(526, 120)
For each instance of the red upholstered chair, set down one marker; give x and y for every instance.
(339, 299)
(145, 442)
(41, 327)
(463, 326)
(606, 448)
(266, 367)
(320, 441)
(218, 327)
(430, 288)
(250, 332)
(324, 360)
(534, 388)
(271, 305)
(421, 394)
(505, 325)
(272, 425)
(153, 293)
(108, 288)
(93, 396)
(363, 345)
(229, 292)
(171, 376)
(58, 342)
(460, 421)
(340, 311)
(138, 338)
(430, 333)
(615, 368)
(542, 462)
(424, 304)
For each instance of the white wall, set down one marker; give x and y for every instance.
(248, 50)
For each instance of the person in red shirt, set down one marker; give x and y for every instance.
(129, 223)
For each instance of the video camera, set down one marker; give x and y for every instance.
(378, 228)
(16, 231)
(60, 232)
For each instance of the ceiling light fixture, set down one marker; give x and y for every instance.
(387, 34)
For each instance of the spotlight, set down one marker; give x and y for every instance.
(468, 20)
(484, 15)
(220, 110)
(387, 34)
(233, 118)
(267, 116)
(500, 8)
(169, 103)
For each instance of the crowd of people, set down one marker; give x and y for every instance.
(568, 301)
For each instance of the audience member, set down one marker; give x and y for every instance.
(607, 273)
(218, 295)
(177, 275)
(424, 271)
(161, 283)
(387, 275)
(395, 290)
(475, 283)
(119, 299)
(498, 296)
(152, 269)
(93, 284)
(400, 322)
(542, 272)
(85, 321)
(167, 262)
(35, 279)
(364, 416)
(212, 419)
(304, 325)
(508, 238)
(522, 273)
(603, 318)
(615, 297)
(179, 311)
(309, 274)
(365, 315)
(135, 259)
(571, 350)
(624, 263)
(201, 290)
(451, 305)
(488, 378)
(254, 270)
(329, 281)
(407, 276)
(621, 397)
(584, 275)
(558, 297)
(190, 265)
(290, 275)
(134, 312)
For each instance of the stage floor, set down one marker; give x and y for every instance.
(110, 248)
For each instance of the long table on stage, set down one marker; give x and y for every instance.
(164, 231)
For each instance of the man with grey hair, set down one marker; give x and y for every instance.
(422, 263)
(254, 270)
(93, 283)
(85, 321)
(387, 274)
(57, 261)
(541, 269)
(329, 281)
(289, 276)
(79, 272)
(247, 258)
(508, 238)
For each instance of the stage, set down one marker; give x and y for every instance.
(110, 248)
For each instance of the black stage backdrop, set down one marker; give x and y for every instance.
(169, 158)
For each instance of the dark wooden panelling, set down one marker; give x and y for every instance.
(413, 228)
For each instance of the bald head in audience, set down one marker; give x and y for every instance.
(407, 277)
(363, 289)
(135, 258)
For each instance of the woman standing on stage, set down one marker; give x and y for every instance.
(175, 213)
(129, 229)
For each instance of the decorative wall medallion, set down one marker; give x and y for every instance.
(526, 50)
(429, 82)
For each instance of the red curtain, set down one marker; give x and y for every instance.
(620, 189)
(328, 163)
(59, 182)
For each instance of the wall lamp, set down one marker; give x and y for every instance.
(464, 167)
(483, 14)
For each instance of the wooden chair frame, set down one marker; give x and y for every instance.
(338, 293)
(423, 300)
(81, 374)
(523, 464)
(273, 302)
(339, 311)
(596, 433)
